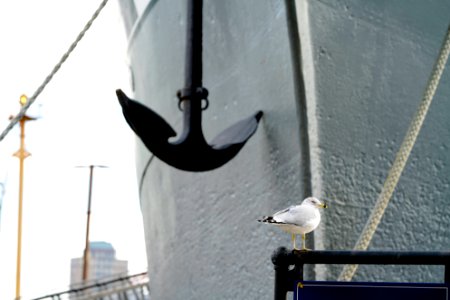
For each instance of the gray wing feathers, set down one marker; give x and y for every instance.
(283, 211)
(293, 215)
(273, 218)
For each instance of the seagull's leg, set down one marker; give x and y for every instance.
(293, 241)
(303, 242)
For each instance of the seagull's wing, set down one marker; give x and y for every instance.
(281, 212)
(296, 215)
(271, 219)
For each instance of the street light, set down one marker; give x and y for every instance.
(21, 154)
(88, 222)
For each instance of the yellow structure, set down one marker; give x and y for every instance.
(21, 154)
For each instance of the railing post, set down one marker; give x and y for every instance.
(281, 261)
(447, 274)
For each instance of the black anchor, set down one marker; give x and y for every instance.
(190, 152)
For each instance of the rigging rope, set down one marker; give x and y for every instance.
(401, 158)
(56, 68)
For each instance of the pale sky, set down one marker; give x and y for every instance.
(80, 123)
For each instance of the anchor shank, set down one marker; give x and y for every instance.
(192, 127)
(193, 79)
(193, 93)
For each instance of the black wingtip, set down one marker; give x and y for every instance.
(259, 115)
(268, 219)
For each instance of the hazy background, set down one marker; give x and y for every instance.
(80, 123)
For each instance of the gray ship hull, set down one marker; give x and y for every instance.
(365, 66)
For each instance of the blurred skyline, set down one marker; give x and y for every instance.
(79, 123)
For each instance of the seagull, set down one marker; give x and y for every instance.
(298, 219)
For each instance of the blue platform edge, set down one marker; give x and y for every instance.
(330, 290)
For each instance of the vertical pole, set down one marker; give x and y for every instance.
(19, 218)
(21, 154)
(280, 291)
(86, 248)
(282, 259)
(447, 274)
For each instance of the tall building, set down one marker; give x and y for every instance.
(102, 264)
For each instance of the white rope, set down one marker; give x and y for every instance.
(56, 68)
(400, 159)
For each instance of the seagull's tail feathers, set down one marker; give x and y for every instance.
(268, 219)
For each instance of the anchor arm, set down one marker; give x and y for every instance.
(144, 121)
(238, 133)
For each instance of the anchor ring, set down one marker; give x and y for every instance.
(199, 92)
(206, 105)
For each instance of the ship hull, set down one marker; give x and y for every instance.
(338, 83)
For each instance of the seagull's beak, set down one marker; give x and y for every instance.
(324, 205)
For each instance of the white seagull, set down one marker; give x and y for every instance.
(298, 219)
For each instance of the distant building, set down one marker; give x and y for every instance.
(102, 264)
(107, 278)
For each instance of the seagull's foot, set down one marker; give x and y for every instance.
(302, 249)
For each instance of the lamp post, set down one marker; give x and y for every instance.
(21, 154)
(88, 222)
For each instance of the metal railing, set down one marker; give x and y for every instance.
(133, 287)
(288, 265)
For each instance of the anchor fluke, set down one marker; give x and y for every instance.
(238, 133)
(140, 118)
(190, 152)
